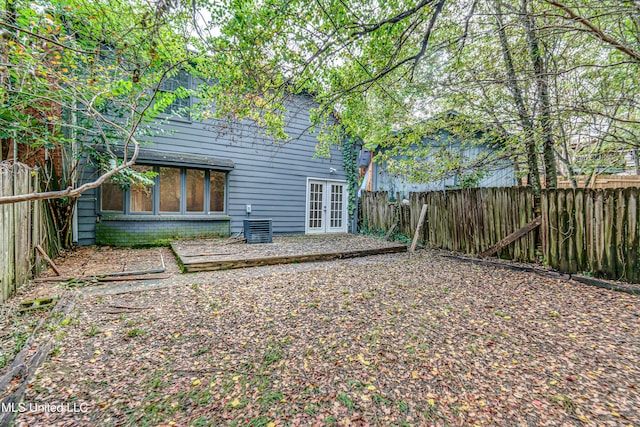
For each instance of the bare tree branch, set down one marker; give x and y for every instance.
(573, 16)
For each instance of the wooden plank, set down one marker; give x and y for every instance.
(127, 278)
(426, 225)
(393, 227)
(8, 220)
(546, 225)
(589, 217)
(533, 239)
(484, 220)
(23, 254)
(598, 233)
(563, 231)
(580, 225)
(631, 195)
(4, 237)
(553, 228)
(515, 221)
(475, 231)
(520, 221)
(496, 217)
(478, 229)
(609, 234)
(465, 206)
(620, 235)
(437, 217)
(444, 221)
(490, 218)
(432, 212)
(213, 265)
(456, 222)
(416, 236)
(505, 220)
(571, 231)
(512, 237)
(54, 267)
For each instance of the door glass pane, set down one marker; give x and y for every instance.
(169, 190)
(142, 196)
(336, 205)
(111, 197)
(216, 183)
(315, 205)
(195, 190)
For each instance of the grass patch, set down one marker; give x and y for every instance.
(273, 353)
(136, 332)
(346, 401)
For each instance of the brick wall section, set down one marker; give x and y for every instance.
(120, 230)
(33, 156)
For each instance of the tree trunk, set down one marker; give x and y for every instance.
(542, 86)
(525, 119)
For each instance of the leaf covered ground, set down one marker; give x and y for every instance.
(392, 340)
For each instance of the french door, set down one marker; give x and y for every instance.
(326, 206)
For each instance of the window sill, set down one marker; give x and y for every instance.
(147, 217)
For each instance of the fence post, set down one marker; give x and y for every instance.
(416, 236)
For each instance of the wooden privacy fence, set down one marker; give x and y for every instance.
(22, 226)
(592, 231)
(467, 220)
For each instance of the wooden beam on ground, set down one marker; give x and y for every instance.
(97, 278)
(46, 258)
(511, 237)
(393, 227)
(211, 264)
(416, 235)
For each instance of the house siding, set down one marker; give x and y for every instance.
(503, 176)
(499, 175)
(271, 177)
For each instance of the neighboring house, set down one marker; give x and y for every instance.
(212, 176)
(494, 173)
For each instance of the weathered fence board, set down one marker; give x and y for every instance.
(7, 252)
(22, 226)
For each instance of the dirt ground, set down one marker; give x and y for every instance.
(384, 340)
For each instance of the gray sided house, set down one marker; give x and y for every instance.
(494, 173)
(214, 175)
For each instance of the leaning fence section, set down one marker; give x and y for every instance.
(467, 220)
(22, 227)
(581, 231)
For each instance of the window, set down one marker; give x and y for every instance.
(195, 190)
(141, 196)
(178, 84)
(176, 191)
(216, 188)
(112, 197)
(169, 190)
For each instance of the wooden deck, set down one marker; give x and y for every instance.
(211, 255)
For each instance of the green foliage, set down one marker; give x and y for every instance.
(371, 64)
(349, 155)
(378, 70)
